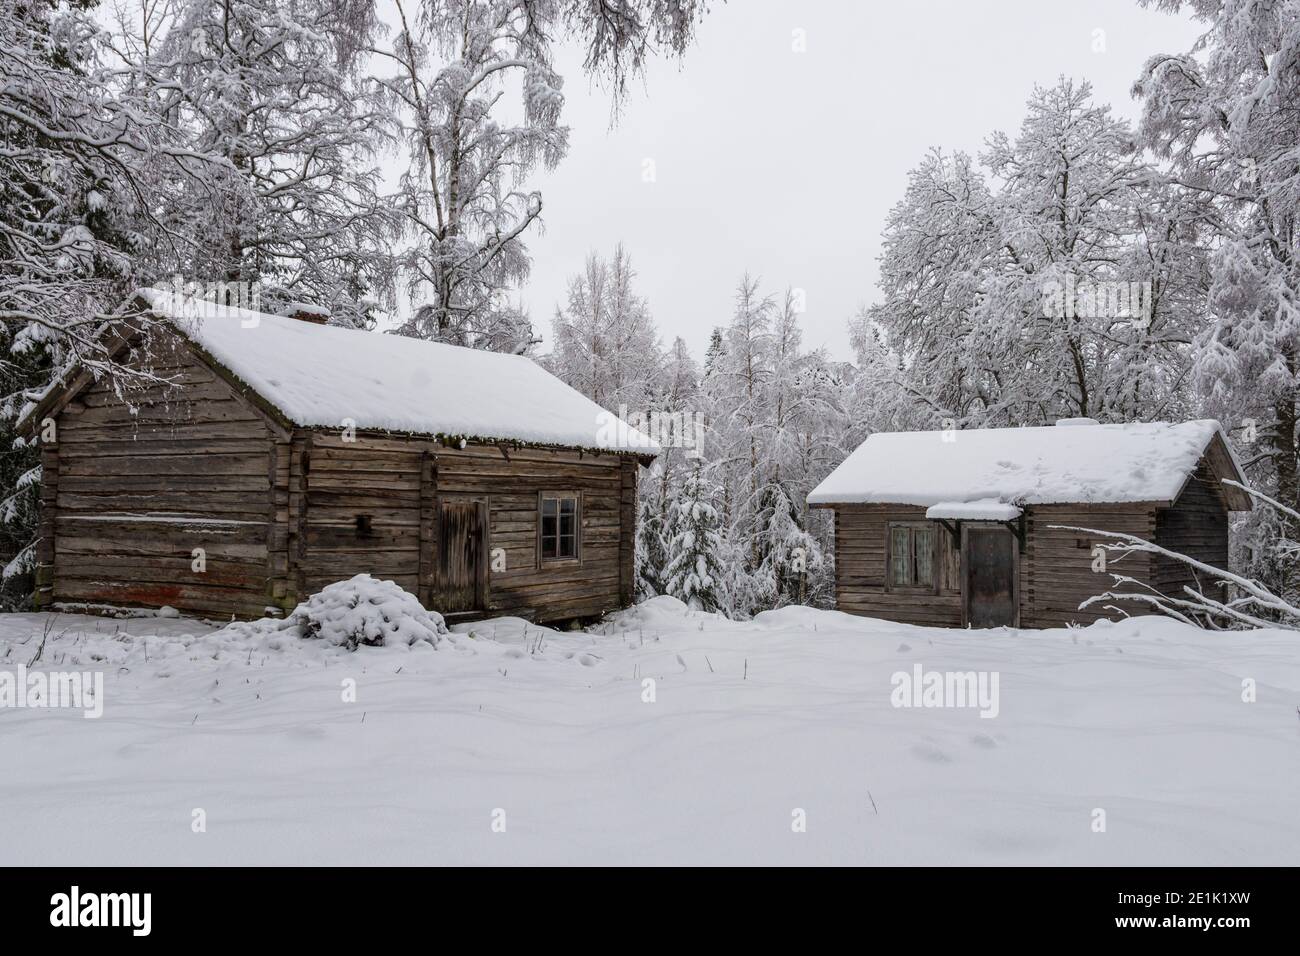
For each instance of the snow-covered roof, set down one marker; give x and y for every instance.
(327, 377)
(986, 509)
(1147, 461)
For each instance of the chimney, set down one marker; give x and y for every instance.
(305, 312)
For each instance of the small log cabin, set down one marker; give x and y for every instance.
(969, 528)
(273, 455)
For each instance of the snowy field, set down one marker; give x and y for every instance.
(549, 738)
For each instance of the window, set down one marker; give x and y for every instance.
(911, 556)
(558, 527)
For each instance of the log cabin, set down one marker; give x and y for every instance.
(255, 458)
(971, 528)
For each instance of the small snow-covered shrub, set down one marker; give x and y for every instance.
(365, 610)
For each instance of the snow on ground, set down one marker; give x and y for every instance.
(750, 721)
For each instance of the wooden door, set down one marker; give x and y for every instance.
(461, 565)
(989, 593)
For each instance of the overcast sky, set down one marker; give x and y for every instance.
(786, 163)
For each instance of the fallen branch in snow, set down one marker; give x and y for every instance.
(1250, 609)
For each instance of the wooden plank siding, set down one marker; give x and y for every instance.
(378, 480)
(860, 583)
(627, 534)
(1055, 567)
(1058, 576)
(396, 482)
(132, 489)
(1197, 526)
(601, 579)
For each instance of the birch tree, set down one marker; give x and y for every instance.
(285, 195)
(606, 344)
(463, 203)
(1052, 280)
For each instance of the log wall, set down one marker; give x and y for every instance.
(861, 539)
(395, 483)
(601, 580)
(1197, 526)
(1058, 574)
(132, 488)
(1055, 567)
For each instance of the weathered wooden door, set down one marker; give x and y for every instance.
(989, 592)
(461, 582)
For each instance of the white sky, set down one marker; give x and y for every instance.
(786, 164)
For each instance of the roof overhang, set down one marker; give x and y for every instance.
(1223, 463)
(986, 509)
(119, 335)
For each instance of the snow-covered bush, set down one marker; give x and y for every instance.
(365, 610)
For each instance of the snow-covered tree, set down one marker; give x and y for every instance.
(696, 572)
(880, 395)
(619, 37)
(734, 396)
(675, 399)
(1053, 282)
(463, 203)
(282, 190)
(71, 201)
(789, 558)
(606, 343)
(651, 550)
(777, 424)
(72, 209)
(937, 242)
(1224, 115)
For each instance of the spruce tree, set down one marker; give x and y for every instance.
(695, 572)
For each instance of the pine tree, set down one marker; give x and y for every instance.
(696, 572)
(651, 551)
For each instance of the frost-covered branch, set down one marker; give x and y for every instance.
(1255, 607)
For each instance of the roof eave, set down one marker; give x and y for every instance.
(448, 440)
(76, 377)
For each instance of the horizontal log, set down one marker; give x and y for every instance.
(214, 467)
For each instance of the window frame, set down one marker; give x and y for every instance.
(576, 557)
(912, 527)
